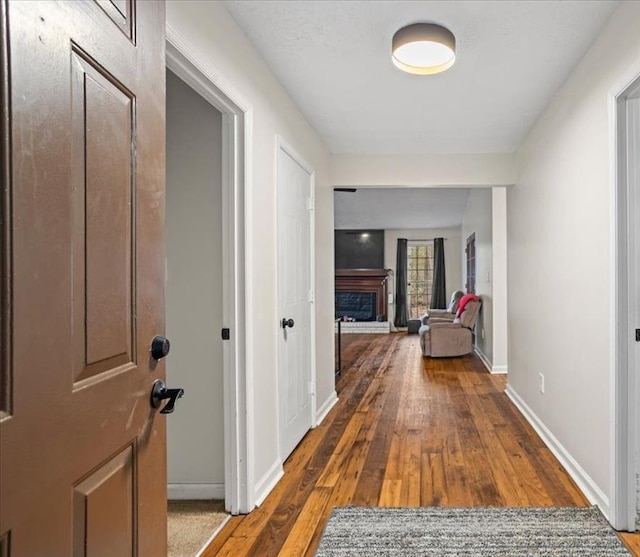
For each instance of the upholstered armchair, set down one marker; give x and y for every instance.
(448, 314)
(450, 338)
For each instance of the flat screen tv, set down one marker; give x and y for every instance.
(359, 249)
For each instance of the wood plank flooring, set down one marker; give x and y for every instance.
(406, 431)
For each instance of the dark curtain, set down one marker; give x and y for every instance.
(439, 289)
(401, 284)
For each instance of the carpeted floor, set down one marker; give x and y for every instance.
(190, 525)
(448, 532)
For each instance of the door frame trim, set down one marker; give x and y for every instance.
(624, 374)
(237, 134)
(282, 145)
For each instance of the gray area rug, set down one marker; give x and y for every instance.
(463, 532)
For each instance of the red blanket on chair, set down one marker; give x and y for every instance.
(464, 301)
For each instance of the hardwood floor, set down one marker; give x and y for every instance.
(406, 431)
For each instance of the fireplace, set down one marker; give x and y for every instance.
(360, 306)
(361, 294)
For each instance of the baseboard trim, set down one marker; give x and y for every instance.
(496, 370)
(211, 538)
(483, 358)
(268, 481)
(586, 484)
(325, 408)
(194, 492)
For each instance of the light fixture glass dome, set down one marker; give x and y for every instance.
(423, 48)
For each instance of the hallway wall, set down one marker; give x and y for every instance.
(220, 48)
(560, 259)
(424, 170)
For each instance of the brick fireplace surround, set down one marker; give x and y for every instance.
(365, 280)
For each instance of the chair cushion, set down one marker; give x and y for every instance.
(470, 313)
(464, 301)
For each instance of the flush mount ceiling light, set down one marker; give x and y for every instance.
(423, 48)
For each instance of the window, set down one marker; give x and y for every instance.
(419, 278)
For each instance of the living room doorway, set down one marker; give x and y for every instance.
(420, 215)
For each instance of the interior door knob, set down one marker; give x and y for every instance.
(160, 347)
(159, 392)
(287, 323)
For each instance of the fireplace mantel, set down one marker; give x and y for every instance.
(365, 280)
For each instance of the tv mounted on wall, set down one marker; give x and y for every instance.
(359, 249)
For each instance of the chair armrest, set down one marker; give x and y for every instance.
(441, 319)
(424, 319)
(438, 312)
(444, 325)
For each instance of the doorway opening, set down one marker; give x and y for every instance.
(216, 251)
(625, 422)
(194, 295)
(414, 217)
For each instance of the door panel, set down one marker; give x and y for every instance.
(102, 201)
(121, 13)
(82, 454)
(104, 504)
(294, 289)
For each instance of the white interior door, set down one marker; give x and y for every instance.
(633, 169)
(295, 298)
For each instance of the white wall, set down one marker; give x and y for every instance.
(478, 219)
(219, 46)
(560, 257)
(452, 247)
(195, 434)
(493, 169)
(500, 356)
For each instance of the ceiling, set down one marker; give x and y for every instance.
(400, 208)
(334, 59)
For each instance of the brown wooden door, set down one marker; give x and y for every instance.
(82, 462)
(470, 251)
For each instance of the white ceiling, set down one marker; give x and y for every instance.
(333, 57)
(391, 208)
